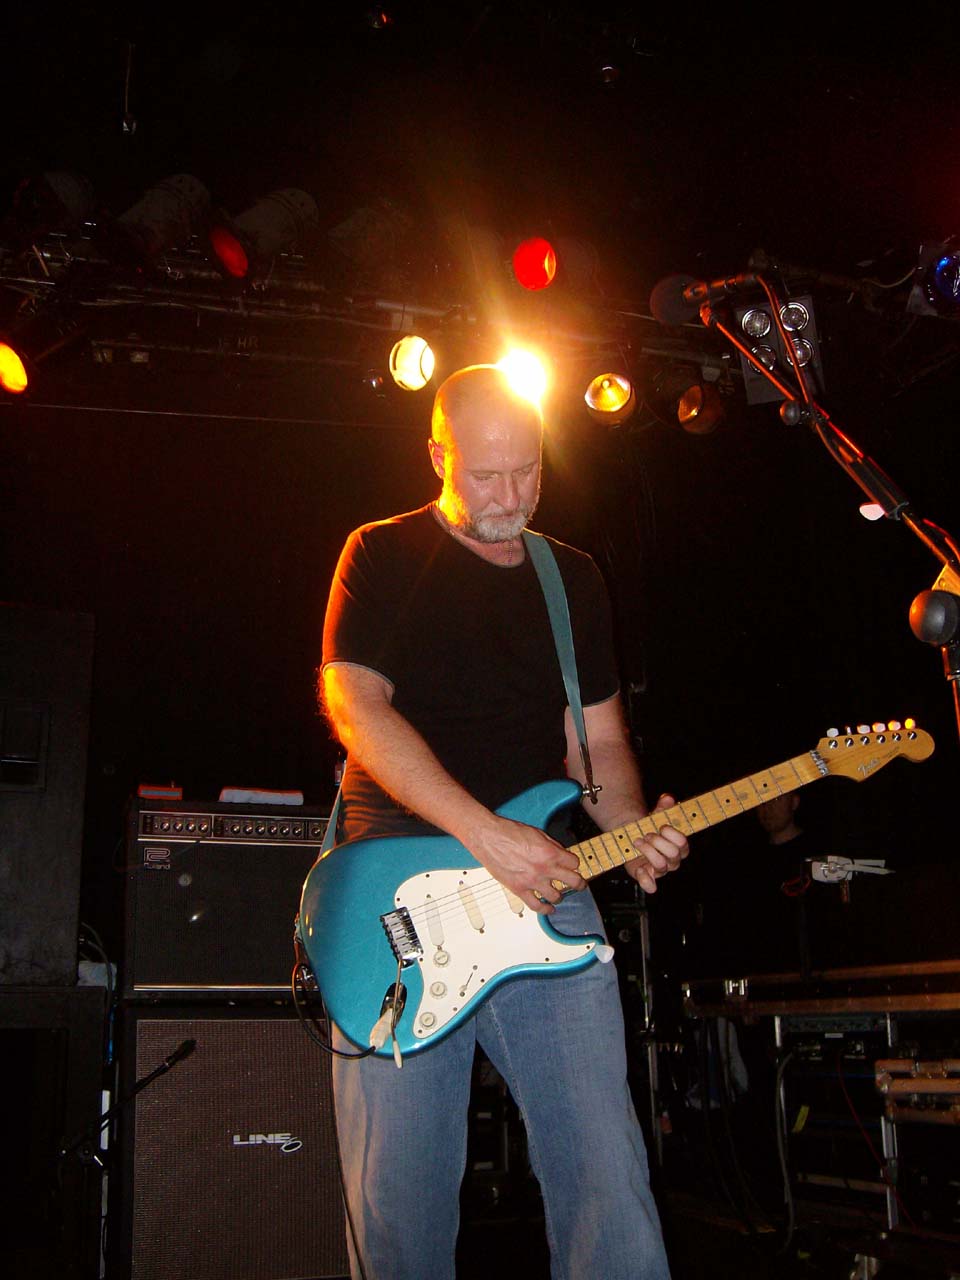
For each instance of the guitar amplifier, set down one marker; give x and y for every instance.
(212, 891)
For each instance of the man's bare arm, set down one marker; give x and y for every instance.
(359, 704)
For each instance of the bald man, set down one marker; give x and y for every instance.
(440, 678)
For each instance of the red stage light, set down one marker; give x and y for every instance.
(535, 263)
(230, 252)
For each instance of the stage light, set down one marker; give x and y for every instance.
(13, 374)
(756, 322)
(526, 374)
(229, 251)
(412, 362)
(795, 317)
(272, 226)
(610, 398)
(535, 263)
(52, 201)
(803, 351)
(166, 217)
(936, 284)
(678, 394)
(566, 262)
(31, 341)
(700, 408)
(375, 242)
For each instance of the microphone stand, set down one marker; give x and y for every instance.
(934, 614)
(86, 1145)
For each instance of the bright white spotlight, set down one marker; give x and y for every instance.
(412, 362)
(525, 373)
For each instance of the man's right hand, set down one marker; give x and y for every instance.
(526, 861)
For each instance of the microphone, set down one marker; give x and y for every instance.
(677, 299)
(183, 1050)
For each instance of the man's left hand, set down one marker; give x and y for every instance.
(661, 852)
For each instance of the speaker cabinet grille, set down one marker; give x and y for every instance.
(233, 1169)
(213, 911)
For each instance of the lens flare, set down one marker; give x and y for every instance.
(526, 374)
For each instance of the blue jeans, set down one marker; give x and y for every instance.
(558, 1043)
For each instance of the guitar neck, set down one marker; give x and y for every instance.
(611, 849)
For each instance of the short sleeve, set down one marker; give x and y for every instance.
(360, 625)
(592, 625)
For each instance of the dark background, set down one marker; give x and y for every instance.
(197, 510)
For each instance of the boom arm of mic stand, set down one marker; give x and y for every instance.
(866, 473)
(861, 468)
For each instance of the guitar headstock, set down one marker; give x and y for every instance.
(859, 753)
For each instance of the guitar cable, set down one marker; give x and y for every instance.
(303, 985)
(303, 989)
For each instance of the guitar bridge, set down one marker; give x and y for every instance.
(402, 936)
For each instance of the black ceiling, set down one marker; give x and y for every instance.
(822, 133)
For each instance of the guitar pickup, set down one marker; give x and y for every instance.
(402, 936)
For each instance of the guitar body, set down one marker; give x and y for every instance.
(467, 934)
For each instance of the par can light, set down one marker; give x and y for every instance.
(412, 362)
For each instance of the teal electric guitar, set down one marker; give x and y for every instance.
(426, 909)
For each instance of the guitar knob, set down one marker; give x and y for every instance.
(438, 989)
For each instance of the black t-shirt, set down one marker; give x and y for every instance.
(468, 648)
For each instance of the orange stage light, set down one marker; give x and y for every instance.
(610, 398)
(13, 375)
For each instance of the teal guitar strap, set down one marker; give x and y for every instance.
(545, 564)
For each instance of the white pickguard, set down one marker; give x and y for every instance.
(472, 930)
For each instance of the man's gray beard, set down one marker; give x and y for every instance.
(491, 528)
(495, 528)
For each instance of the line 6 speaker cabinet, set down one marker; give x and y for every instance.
(212, 891)
(229, 1163)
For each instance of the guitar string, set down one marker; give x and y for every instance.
(492, 899)
(451, 905)
(491, 886)
(483, 890)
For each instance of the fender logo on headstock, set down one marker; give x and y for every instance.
(868, 766)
